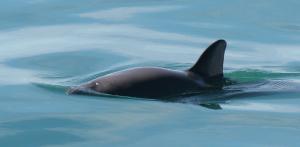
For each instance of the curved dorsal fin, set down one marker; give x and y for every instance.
(210, 63)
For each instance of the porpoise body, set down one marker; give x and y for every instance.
(160, 83)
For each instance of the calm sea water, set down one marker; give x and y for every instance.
(48, 45)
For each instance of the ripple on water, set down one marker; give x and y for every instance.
(69, 63)
(37, 132)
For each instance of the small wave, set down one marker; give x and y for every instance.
(284, 108)
(289, 27)
(52, 87)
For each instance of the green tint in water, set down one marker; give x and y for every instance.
(252, 75)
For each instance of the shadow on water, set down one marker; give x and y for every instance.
(40, 132)
(254, 90)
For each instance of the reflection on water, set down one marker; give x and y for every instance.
(48, 45)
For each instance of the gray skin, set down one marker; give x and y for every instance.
(161, 83)
(146, 82)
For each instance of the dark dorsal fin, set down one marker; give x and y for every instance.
(210, 63)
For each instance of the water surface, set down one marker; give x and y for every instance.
(49, 45)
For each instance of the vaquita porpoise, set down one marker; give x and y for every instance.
(159, 83)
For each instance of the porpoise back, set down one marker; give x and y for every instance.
(160, 83)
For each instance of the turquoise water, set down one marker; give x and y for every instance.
(49, 45)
